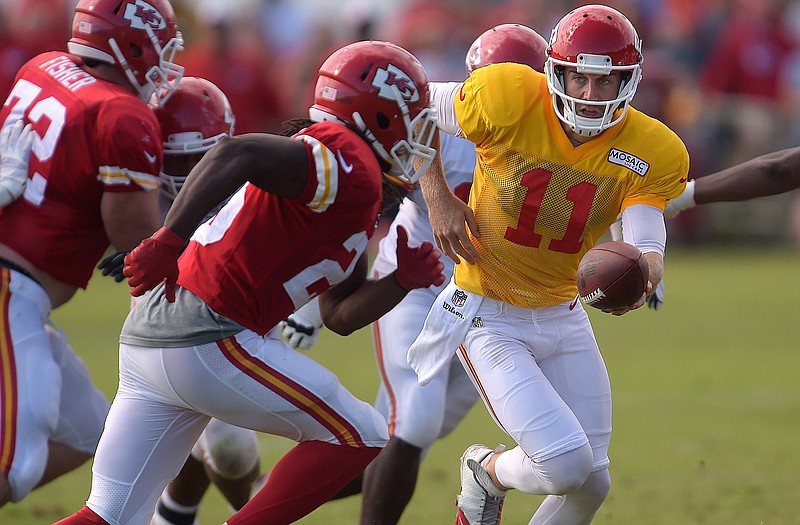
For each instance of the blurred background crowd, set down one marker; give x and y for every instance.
(724, 74)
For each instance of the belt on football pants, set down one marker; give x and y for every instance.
(5, 263)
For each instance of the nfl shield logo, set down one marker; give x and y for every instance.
(459, 298)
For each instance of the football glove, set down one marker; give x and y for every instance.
(656, 300)
(154, 261)
(684, 201)
(302, 327)
(112, 266)
(418, 267)
(15, 148)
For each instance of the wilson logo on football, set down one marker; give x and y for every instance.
(392, 79)
(593, 297)
(142, 14)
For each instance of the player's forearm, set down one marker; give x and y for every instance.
(278, 165)
(655, 264)
(366, 304)
(130, 217)
(433, 183)
(357, 301)
(768, 174)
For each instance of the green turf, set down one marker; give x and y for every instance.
(706, 403)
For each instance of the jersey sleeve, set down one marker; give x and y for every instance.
(342, 167)
(659, 188)
(129, 150)
(494, 99)
(323, 183)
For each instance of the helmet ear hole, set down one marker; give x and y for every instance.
(383, 120)
(136, 51)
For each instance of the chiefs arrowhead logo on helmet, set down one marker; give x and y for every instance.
(382, 91)
(141, 14)
(393, 76)
(139, 37)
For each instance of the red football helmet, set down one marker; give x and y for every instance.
(140, 37)
(382, 90)
(594, 39)
(508, 43)
(192, 121)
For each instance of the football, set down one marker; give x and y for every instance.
(612, 275)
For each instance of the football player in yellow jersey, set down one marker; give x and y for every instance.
(559, 156)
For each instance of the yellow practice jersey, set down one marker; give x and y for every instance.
(541, 202)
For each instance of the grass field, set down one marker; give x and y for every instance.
(706, 403)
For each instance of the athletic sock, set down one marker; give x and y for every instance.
(306, 477)
(175, 513)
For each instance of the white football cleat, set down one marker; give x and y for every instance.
(480, 501)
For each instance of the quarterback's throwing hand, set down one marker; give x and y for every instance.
(417, 267)
(450, 221)
(153, 261)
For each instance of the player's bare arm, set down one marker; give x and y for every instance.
(129, 217)
(278, 165)
(656, 264)
(449, 216)
(358, 301)
(768, 174)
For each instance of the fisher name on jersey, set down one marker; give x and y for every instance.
(92, 137)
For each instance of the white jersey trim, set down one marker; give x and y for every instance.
(327, 171)
(116, 176)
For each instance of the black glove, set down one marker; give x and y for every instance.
(657, 299)
(112, 265)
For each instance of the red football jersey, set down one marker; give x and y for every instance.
(262, 257)
(91, 137)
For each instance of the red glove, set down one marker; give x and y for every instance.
(153, 261)
(417, 267)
